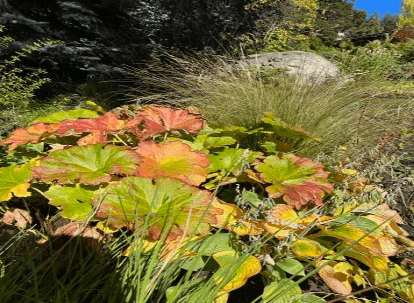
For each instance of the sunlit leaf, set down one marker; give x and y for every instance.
(66, 115)
(155, 119)
(285, 130)
(283, 291)
(307, 248)
(231, 218)
(238, 275)
(172, 159)
(291, 266)
(90, 164)
(165, 202)
(297, 180)
(231, 159)
(32, 134)
(338, 283)
(14, 180)
(75, 202)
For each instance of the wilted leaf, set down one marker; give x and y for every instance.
(14, 180)
(298, 180)
(75, 202)
(285, 130)
(90, 164)
(18, 217)
(172, 159)
(167, 203)
(338, 283)
(66, 115)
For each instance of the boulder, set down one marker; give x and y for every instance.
(311, 68)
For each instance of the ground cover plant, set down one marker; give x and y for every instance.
(159, 195)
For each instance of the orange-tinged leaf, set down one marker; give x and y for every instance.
(32, 134)
(298, 180)
(98, 128)
(338, 283)
(172, 159)
(231, 218)
(154, 119)
(91, 164)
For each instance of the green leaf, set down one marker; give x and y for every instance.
(283, 291)
(14, 180)
(66, 115)
(252, 198)
(308, 298)
(211, 244)
(91, 164)
(297, 180)
(285, 130)
(231, 159)
(165, 202)
(291, 266)
(76, 202)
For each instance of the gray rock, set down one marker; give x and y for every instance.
(311, 68)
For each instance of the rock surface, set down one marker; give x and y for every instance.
(311, 68)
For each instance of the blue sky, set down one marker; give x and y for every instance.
(381, 6)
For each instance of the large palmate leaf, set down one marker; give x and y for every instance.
(155, 119)
(75, 201)
(172, 159)
(165, 202)
(67, 115)
(285, 130)
(90, 164)
(205, 143)
(32, 134)
(298, 180)
(14, 180)
(98, 128)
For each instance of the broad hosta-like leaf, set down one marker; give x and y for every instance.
(379, 245)
(239, 275)
(307, 248)
(285, 130)
(172, 159)
(98, 128)
(155, 119)
(297, 180)
(283, 291)
(90, 164)
(67, 115)
(172, 203)
(404, 287)
(14, 180)
(75, 201)
(32, 134)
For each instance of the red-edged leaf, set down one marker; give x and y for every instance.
(172, 159)
(98, 128)
(32, 134)
(154, 119)
(298, 180)
(91, 164)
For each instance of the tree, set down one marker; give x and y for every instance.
(407, 18)
(389, 22)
